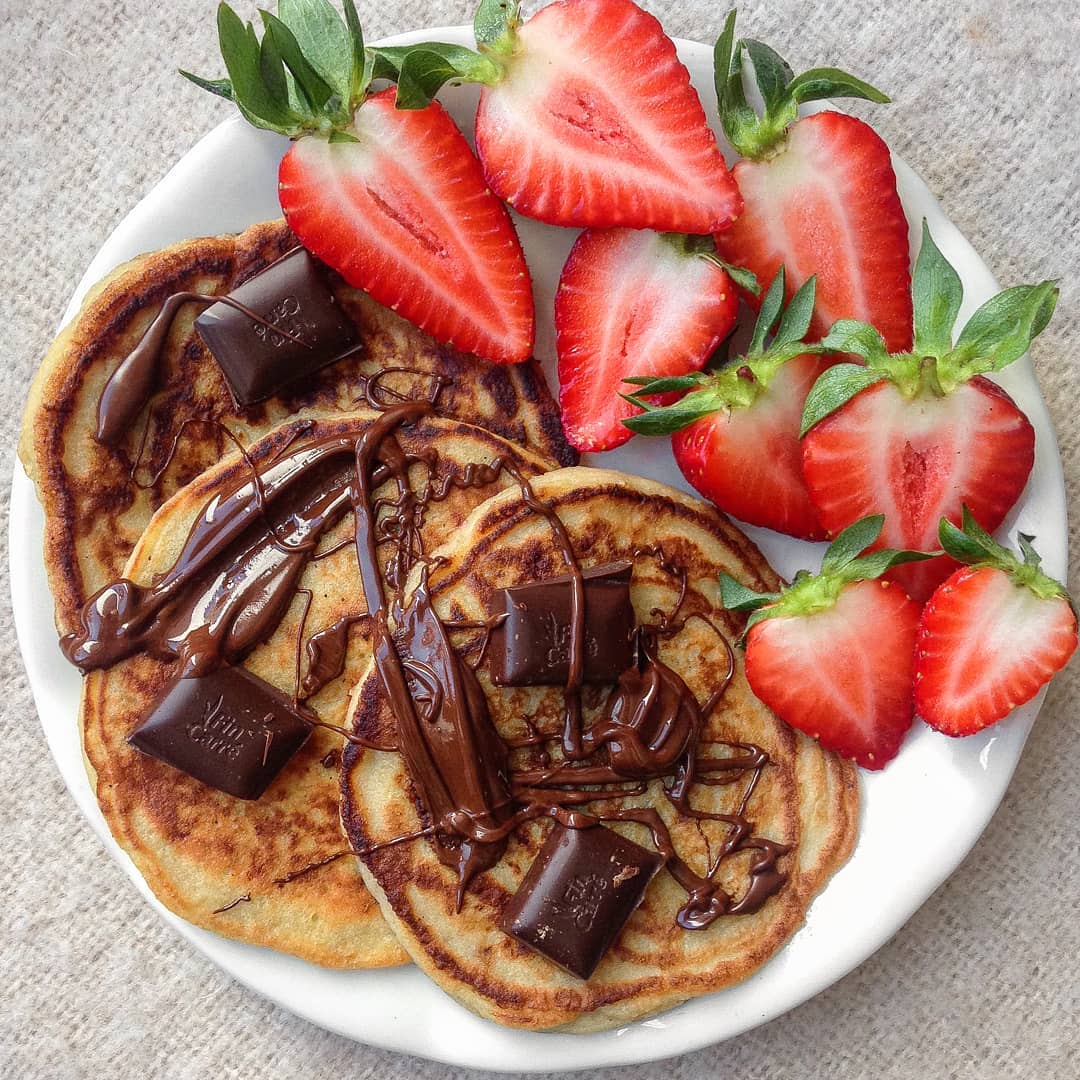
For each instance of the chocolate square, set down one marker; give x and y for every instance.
(531, 647)
(228, 729)
(292, 294)
(578, 894)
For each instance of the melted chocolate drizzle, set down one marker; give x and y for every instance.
(240, 569)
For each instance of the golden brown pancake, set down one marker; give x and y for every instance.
(95, 512)
(805, 798)
(199, 849)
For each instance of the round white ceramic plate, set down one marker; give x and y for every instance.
(919, 818)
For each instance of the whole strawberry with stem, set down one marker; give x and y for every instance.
(631, 301)
(586, 116)
(393, 201)
(819, 192)
(735, 432)
(993, 634)
(918, 435)
(833, 653)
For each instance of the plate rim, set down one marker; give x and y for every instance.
(596, 1050)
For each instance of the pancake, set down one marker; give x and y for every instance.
(94, 512)
(200, 850)
(805, 798)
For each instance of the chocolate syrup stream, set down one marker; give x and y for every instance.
(240, 569)
(131, 385)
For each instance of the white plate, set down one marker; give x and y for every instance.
(920, 816)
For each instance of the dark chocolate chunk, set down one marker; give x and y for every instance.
(578, 895)
(292, 294)
(531, 647)
(228, 729)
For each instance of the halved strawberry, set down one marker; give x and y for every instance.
(916, 436)
(394, 201)
(991, 636)
(833, 654)
(633, 301)
(819, 192)
(586, 117)
(735, 435)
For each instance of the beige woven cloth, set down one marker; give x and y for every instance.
(983, 982)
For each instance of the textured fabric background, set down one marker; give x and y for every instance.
(981, 983)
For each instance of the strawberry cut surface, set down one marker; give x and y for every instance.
(844, 675)
(749, 461)
(916, 461)
(826, 204)
(631, 303)
(986, 645)
(405, 214)
(595, 123)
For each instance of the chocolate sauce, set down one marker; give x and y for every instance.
(282, 325)
(239, 571)
(132, 384)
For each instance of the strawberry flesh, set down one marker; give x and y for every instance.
(749, 461)
(987, 644)
(405, 214)
(844, 675)
(826, 204)
(631, 303)
(595, 123)
(916, 461)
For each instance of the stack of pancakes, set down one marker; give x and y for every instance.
(280, 871)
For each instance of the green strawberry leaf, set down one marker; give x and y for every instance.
(1003, 328)
(340, 136)
(734, 596)
(937, 293)
(272, 70)
(324, 40)
(876, 563)
(667, 384)
(771, 307)
(756, 136)
(771, 71)
(851, 336)
(1031, 556)
(425, 69)
(667, 419)
(970, 544)
(242, 55)
(827, 82)
(387, 60)
(851, 543)
(315, 90)
(361, 72)
(795, 321)
(834, 388)
(739, 121)
(495, 22)
(221, 87)
(745, 279)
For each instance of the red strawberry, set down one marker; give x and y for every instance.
(633, 301)
(586, 117)
(736, 433)
(404, 215)
(833, 654)
(820, 193)
(393, 200)
(991, 636)
(915, 436)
